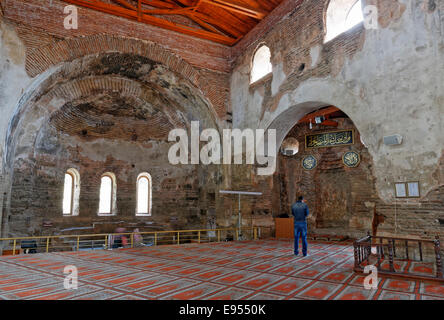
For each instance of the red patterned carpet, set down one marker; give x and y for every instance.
(261, 270)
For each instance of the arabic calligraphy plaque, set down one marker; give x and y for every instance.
(329, 139)
(309, 162)
(351, 159)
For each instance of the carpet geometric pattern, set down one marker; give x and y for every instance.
(244, 270)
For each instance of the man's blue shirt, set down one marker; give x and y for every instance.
(299, 211)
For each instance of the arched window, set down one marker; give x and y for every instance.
(290, 146)
(261, 64)
(342, 15)
(107, 205)
(144, 193)
(71, 193)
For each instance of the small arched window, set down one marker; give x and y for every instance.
(342, 15)
(261, 64)
(71, 193)
(290, 146)
(107, 205)
(144, 194)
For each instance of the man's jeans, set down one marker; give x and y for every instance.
(300, 230)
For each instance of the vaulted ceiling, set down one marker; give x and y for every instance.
(221, 21)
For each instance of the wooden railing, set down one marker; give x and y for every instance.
(102, 241)
(398, 250)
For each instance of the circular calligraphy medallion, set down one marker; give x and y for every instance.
(309, 162)
(351, 159)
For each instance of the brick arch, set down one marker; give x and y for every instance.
(313, 95)
(47, 107)
(41, 59)
(45, 63)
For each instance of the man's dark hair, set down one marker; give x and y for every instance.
(300, 198)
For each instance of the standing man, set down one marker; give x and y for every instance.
(300, 213)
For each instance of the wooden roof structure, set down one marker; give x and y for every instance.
(221, 21)
(329, 113)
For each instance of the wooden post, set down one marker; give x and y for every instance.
(155, 238)
(420, 250)
(438, 258)
(394, 248)
(106, 242)
(132, 240)
(47, 245)
(368, 248)
(218, 235)
(13, 248)
(369, 251)
(390, 250)
(78, 243)
(198, 234)
(356, 254)
(178, 238)
(237, 234)
(139, 10)
(407, 249)
(382, 248)
(255, 233)
(378, 250)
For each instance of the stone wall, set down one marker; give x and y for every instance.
(341, 199)
(388, 81)
(101, 104)
(37, 188)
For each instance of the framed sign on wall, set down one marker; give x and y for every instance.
(309, 162)
(330, 139)
(407, 189)
(351, 159)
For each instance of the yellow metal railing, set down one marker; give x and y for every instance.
(151, 238)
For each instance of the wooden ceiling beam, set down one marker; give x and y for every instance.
(198, 2)
(219, 24)
(228, 28)
(200, 18)
(234, 6)
(326, 112)
(168, 11)
(329, 123)
(133, 14)
(322, 112)
(203, 24)
(159, 4)
(125, 4)
(229, 24)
